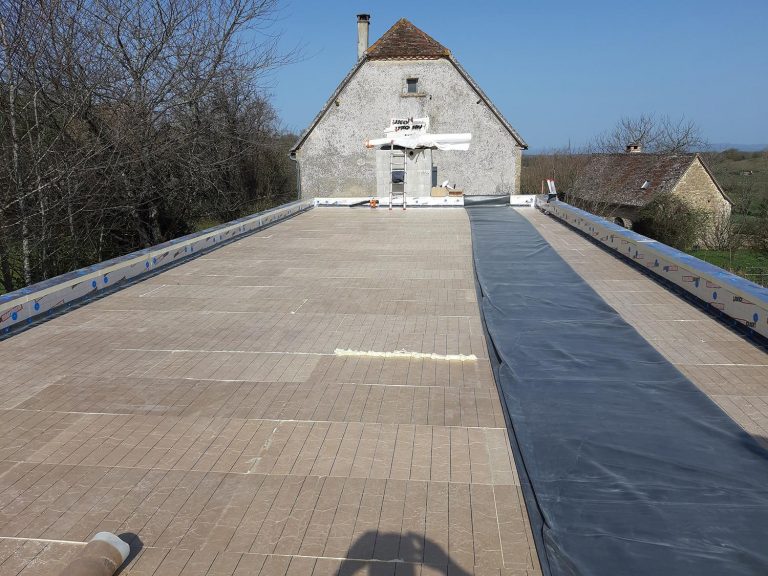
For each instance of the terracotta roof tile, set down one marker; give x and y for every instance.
(406, 41)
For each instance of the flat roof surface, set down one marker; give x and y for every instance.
(730, 369)
(205, 411)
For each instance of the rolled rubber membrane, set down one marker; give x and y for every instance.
(627, 468)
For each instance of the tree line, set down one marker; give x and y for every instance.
(124, 123)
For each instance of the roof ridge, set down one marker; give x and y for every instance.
(405, 40)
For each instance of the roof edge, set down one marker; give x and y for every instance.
(308, 130)
(519, 139)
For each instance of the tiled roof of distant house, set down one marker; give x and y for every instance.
(632, 179)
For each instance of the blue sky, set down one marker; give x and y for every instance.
(560, 71)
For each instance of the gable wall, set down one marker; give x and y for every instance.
(333, 159)
(697, 188)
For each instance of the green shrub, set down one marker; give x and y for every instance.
(672, 221)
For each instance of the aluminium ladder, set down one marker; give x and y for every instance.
(398, 162)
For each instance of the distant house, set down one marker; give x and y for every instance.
(406, 74)
(618, 186)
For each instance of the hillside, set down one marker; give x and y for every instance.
(743, 176)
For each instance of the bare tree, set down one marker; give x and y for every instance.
(13, 27)
(125, 123)
(724, 233)
(561, 164)
(657, 134)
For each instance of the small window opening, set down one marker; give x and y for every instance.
(412, 85)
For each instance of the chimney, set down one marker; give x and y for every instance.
(363, 21)
(634, 148)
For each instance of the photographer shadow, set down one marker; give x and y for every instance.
(393, 554)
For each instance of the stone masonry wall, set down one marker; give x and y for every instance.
(697, 188)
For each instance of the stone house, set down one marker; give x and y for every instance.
(618, 186)
(406, 74)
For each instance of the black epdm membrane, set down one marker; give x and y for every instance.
(627, 467)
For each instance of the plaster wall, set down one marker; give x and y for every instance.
(333, 160)
(418, 181)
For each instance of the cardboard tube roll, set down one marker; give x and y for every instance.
(102, 556)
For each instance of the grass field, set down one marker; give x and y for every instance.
(749, 264)
(743, 176)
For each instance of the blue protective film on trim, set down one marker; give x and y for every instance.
(690, 262)
(63, 278)
(627, 467)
